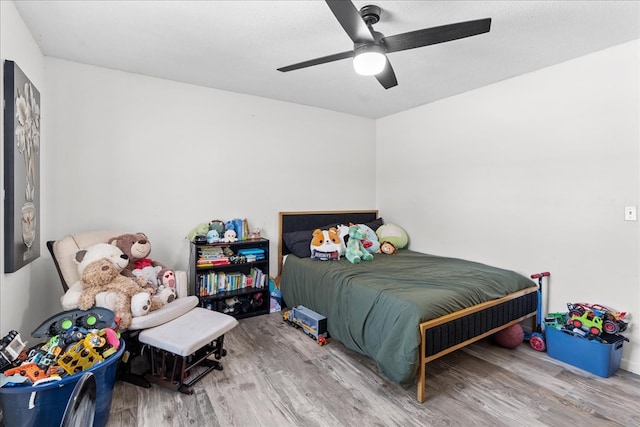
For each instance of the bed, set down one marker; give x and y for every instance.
(402, 310)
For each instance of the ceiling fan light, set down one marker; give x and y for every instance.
(369, 60)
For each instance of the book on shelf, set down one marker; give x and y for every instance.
(212, 283)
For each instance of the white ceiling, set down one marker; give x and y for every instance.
(237, 45)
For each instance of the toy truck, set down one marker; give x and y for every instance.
(312, 323)
(11, 346)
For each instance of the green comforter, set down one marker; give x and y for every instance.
(375, 307)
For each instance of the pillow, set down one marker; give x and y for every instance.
(393, 234)
(298, 242)
(375, 224)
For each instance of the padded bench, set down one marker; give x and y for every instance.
(185, 343)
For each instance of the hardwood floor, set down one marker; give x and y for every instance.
(274, 375)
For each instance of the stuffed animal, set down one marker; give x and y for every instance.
(149, 272)
(199, 230)
(370, 242)
(355, 249)
(138, 248)
(130, 298)
(213, 236)
(84, 257)
(326, 244)
(161, 294)
(393, 235)
(387, 248)
(230, 236)
(218, 225)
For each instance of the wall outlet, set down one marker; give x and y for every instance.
(630, 213)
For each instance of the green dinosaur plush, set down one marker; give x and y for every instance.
(201, 228)
(355, 249)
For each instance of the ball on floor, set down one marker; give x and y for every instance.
(510, 337)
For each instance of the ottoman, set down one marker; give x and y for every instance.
(180, 349)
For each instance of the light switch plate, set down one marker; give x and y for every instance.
(630, 213)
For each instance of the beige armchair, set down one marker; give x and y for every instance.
(63, 252)
(180, 336)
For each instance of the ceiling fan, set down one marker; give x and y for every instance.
(370, 47)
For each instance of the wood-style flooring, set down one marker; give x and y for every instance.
(274, 375)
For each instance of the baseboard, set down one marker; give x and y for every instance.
(630, 366)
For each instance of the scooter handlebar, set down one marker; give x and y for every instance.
(539, 275)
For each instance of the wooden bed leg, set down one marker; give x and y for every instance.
(422, 369)
(421, 382)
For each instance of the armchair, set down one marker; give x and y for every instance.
(177, 333)
(63, 251)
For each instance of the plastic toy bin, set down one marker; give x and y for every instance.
(601, 359)
(44, 405)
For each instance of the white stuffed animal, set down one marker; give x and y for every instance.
(83, 258)
(230, 236)
(161, 294)
(149, 272)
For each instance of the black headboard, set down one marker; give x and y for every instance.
(299, 221)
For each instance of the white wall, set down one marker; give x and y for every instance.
(530, 174)
(130, 152)
(24, 287)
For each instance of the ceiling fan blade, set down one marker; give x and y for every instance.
(435, 35)
(318, 61)
(350, 19)
(387, 77)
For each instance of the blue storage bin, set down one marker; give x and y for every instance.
(601, 359)
(44, 405)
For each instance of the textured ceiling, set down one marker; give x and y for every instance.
(237, 45)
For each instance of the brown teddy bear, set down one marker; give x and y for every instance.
(138, 248)
(131, 299)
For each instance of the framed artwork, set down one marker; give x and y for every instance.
(21, 168)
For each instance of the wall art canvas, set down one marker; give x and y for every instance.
(21, 168)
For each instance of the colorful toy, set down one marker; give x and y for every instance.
(370, 242)
(200, 230)
(394, 235)
(70, 348)
(213, 236)
(96, 318)
(536, 338)
(30, 370)
(612, 320)
(82, 355)
(588, 321)
(326, 244)
(387, 248)
(11, 347)
(312, 323)
(355, 250)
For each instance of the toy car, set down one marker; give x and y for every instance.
(612, 320)
(589, 321)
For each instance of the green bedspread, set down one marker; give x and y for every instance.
(375, 307)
